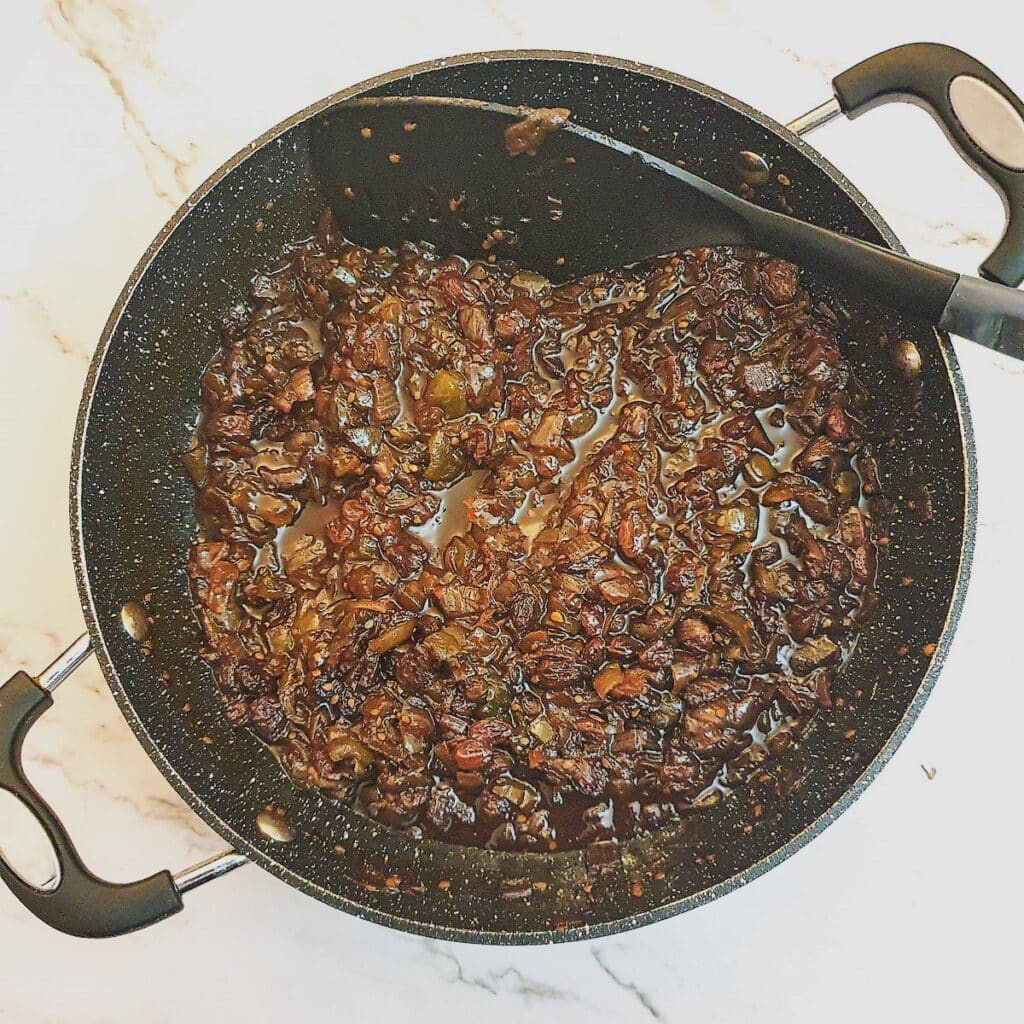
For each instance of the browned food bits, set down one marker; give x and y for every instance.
(534, 126)
(522, 565)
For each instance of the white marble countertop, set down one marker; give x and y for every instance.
(113, 110)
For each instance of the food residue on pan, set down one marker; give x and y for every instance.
(534, 126)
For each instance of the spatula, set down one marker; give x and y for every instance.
(422, 138)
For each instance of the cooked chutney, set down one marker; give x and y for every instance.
(526, 565)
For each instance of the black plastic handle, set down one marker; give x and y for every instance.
(987, 313)
(80, 904)
(923, 73)
(915, 288)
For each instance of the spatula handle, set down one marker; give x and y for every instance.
(915, 288)
(988, 313)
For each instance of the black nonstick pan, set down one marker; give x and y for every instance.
(132, 515)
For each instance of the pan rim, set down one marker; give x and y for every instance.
(497, 937)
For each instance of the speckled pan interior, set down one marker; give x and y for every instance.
(133, 520)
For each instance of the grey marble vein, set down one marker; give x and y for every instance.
(627, 986)
(957, 234)
(33, 629)
(149, 805)
(131, 38)
(824, 68)
(509, 980)
(32, 303)
(498, 12)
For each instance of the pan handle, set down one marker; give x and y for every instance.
(981, 115)
(78, 902)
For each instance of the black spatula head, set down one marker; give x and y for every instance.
(437, 169)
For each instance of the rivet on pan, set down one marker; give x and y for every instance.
(751, 167)
(906, 359)
(135, 620)
(274, 827)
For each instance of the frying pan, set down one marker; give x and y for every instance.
(132, 516)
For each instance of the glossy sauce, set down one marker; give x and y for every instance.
(526, 566)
